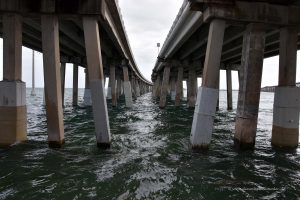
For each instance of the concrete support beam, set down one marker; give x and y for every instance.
(119, 86)
(173, 88)
(63, 78)
(133, 85)
(164, 87)
(138, 90)
(179, 86)
(229, 89)
(285, 132)
(108, 95)
(249, 94)
(205, 109)
(156, 87)
(87, 98)
(96, 76)
(13, 114)
(192, 88)
(75, 85)
(127, 85)
(52, 78)
(112, 79)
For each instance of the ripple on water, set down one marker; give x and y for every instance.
(150, 157)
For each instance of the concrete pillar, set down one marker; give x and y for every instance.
(218, 101)
(63, 78)
(249, 94)
(108, 95)
(96, 77)
(192, 87)
(156, 87)
(13, 120)
(119, 86)
(138, 90)
(285, 132)
(133, 85)
(75, 85)
(229, 89)
(87, 98)
(164, 87)
(112, 79)
(52, 78)
(173, 88)
(127, 85)
(33, 76)
(179, 86)
(205, 109)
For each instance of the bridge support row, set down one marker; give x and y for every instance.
(285, 132)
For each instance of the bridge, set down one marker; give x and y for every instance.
(209, 35)
(87, 33)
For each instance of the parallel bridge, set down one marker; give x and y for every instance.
(209, 35)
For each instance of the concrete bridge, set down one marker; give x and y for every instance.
(209, 35)
(87, 33)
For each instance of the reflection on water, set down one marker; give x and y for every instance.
(150, 157)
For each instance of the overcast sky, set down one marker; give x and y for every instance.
(147, 22)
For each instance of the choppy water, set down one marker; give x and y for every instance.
(150, 157)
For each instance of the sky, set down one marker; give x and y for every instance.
(147, 22)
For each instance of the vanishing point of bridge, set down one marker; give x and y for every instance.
(209, 35)
(87, 33)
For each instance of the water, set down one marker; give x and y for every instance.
(150, 157)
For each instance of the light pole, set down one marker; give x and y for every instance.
(158, 45)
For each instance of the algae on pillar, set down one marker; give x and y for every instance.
(96, 77)
(249, 93)
(52, 78)
(285, 131)
(207, 96)
(13, 113)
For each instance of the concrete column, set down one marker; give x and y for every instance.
(138, 90)
(119, 86)
(229, 89)
(208, 93)
(75, 85)
(52, 78)
(87, 98)
(249, 94)
(192, 87)
(63, 78)
(112, 79)
(108, 95)
(155, 87)
(218, 101)
(164, 87)
(13, 119)
(127, 85)
(179, 86)
(173, 88)
(133, 85)
(285, 132)
(96, 77)
(33, 75)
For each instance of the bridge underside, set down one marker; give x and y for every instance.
(209, 35)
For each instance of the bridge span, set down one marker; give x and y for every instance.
(209, 35)
(87, 33)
